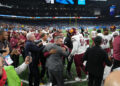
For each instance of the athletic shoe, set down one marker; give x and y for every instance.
(77, 79)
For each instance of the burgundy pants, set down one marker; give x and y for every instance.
(78, 59)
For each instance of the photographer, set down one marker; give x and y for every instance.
(34, 49)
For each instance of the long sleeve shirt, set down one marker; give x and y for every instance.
(116, 48)
(54, 61)
(79, 44)
(35, 51)
(21, 68)
(96, 57)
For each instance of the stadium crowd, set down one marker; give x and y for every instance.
(48, 48)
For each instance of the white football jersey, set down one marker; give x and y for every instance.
(79, 44)
(93, 34)
(106, 41)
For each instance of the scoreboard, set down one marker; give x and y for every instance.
(81, 2)
(65, 1)
(71, 2)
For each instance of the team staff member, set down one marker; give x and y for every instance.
(54, 53)
(32, 48)
(68, 43)
(95, 58)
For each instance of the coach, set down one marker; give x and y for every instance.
(32, 48)
(96, 57)
(54, 63)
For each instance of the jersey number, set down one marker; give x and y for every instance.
(105, 41)
(82, 41)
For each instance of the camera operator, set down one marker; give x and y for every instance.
(34, 49)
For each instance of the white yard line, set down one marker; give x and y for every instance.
(67, 82)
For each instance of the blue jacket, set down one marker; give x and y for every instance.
(35, 50)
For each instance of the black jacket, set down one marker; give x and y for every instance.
(35, 50)
(68, 42)
(96, 57)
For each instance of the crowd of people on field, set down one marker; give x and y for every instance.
(50, 48)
